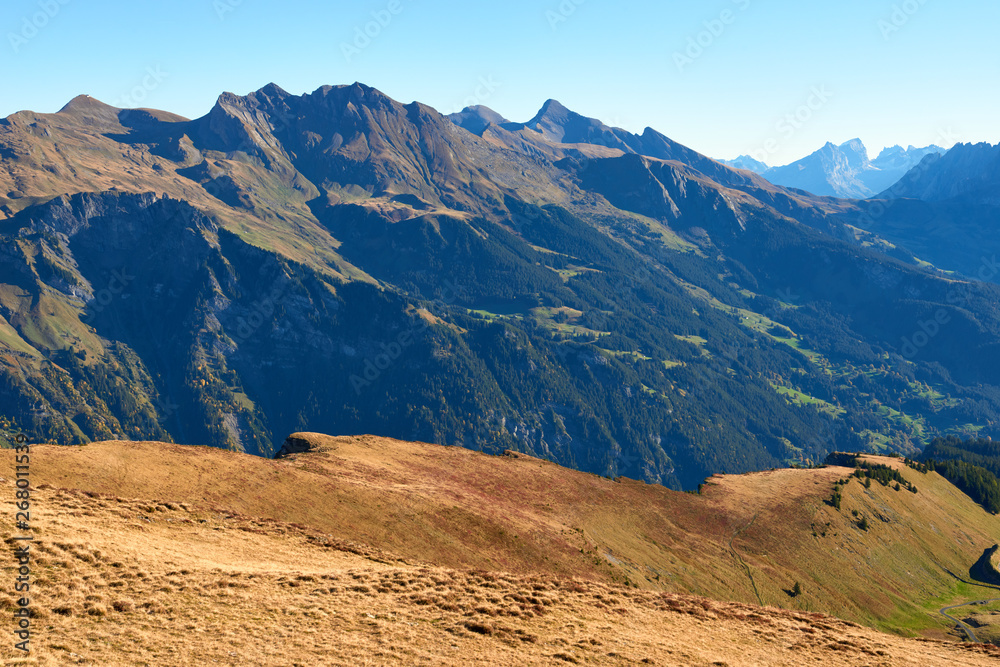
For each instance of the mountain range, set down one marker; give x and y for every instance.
(944, 210)
(748, 163)
(843, 171)
(341, 262)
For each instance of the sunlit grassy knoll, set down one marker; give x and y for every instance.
(572, 271)
(812, 355)
(799, 398)
(121, 581)
(461, 509)
(633, 356)
(126, 576)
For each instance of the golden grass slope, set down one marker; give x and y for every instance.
(123, 581)
(747, 538)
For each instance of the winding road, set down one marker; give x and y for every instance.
(969, 632)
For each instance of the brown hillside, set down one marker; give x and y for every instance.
(746, 538)
(135, 582)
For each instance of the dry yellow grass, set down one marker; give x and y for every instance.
(131, 582)
(372, 551)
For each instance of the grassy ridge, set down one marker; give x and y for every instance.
(118, 581)
(745, 538)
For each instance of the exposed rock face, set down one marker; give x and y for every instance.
(944, 210)
(297, 443)
(985, 569)
(846, 171)
(970, 171)
(345, 263)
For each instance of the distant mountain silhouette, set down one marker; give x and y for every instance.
(970, 171)
(748, 163)
(846, 171)
(945, 209)
(477, 118)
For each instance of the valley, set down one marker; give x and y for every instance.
(403, 333)
(612, 302)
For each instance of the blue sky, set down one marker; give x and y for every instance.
(775, 79)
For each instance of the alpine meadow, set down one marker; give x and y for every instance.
(332, 378)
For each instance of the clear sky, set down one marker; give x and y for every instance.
(722, 76)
